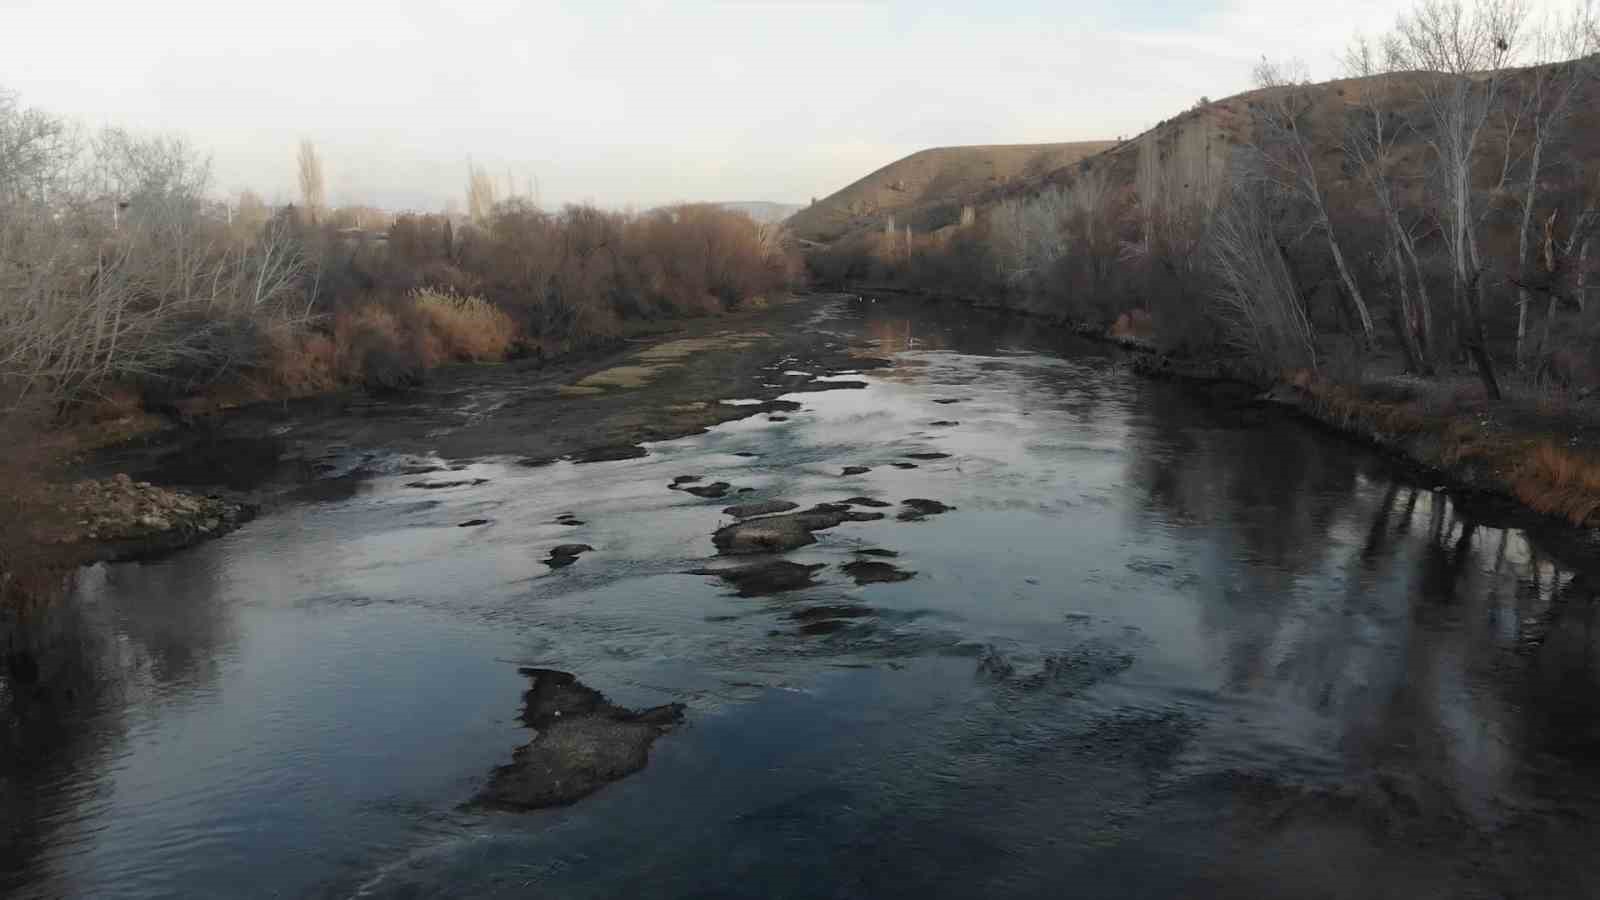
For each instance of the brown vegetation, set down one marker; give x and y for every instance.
(124, 287)
(927, 189)
(1560, 482)
(1432, 214)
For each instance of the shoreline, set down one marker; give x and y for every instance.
(229, 464)
(1475, 454)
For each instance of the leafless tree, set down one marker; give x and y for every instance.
(1257, 297)
(1179, 181)
(313, 189)
(84, 303)
(1371, 132)
(1562, 49)
(37, 150)
(1461, 54)
(480, 194)
(1288, 154)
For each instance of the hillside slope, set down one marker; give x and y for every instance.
(763, 211)
(925, 187)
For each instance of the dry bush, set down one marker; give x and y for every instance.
(301, 363)
(1133, 325)
(373, 349)
(1559, 482)
(467, 329)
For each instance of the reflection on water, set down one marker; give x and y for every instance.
(1165, 644)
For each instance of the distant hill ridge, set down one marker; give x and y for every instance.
(930, 186)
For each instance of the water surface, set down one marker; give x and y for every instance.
(1166, 644)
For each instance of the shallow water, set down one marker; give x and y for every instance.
(1165, 644)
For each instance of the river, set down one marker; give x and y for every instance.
(1165, 644)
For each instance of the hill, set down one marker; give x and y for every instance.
(763, 211)
(932, 185)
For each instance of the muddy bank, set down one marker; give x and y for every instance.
(584, 742)
(118, 519)
(606, 408)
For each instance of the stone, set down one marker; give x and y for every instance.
(764, 578)
(610, 453)
(856, 470)
(760, 508)
(777, 534)
(583, 743)
(869, 572)
(915, 510)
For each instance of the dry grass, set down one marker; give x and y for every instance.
(909, 186)
(1347, 407)
(461, 328)
(1560, 482)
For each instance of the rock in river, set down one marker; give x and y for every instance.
(856, 470)
(776, 534)
(763, 578)
(928, 455)
(869, 572)
(610, 453)
(917, 508)
(564, 555)
(712, 491)
(760, 508)
(440, 485)
(584, 742)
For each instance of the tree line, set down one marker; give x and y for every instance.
(123, 274)
(1437, 204)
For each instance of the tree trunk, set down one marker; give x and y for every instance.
(1583, 277)
(1406, 320)
(1350, 285)
(1425, 339)
(1476, 348)
(1523, 237)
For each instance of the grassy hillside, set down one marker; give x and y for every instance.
(763, 211)
(927, 187)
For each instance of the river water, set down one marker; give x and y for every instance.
(1165, 645)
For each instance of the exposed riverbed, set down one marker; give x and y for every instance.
(1128, 638)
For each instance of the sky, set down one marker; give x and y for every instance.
(644, 103)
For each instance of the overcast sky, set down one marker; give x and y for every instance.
(638, 103)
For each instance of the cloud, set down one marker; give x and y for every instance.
(640, 103)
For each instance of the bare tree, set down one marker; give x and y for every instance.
(84, 304)
(1563, 45)
(1372, 130)
(1461, 54)
(1257, 298)
(37, 150)
(1179, 181)
(480, 194)
(1287, 151)
(313, 190)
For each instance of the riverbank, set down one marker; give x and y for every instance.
(140, 486)
(1539, 451)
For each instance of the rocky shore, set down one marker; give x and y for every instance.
(117, 518)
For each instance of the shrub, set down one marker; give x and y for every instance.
(1559, 482)
(467, 329)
